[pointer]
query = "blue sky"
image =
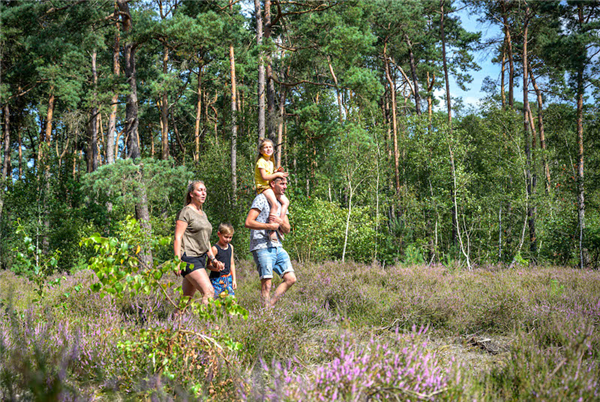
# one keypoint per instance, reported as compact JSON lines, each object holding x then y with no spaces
{"x":482,"y":58}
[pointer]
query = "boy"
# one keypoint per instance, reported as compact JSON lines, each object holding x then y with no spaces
{"x":224,"y":281}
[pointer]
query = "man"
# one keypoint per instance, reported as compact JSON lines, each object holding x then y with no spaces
{"x":269,"y":254}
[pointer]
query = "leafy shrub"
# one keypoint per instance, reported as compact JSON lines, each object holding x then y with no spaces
{"x":318,"y":232}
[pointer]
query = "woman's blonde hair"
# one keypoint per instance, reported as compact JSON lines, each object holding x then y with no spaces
{"x":191,"y":187}
{"x":262,"y":144}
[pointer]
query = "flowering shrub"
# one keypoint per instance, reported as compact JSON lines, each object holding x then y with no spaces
{"x":402,"y":369}
{"x":74,"y":344}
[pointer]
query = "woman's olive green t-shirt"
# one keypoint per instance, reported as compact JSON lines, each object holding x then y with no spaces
{"x":196,"y":238}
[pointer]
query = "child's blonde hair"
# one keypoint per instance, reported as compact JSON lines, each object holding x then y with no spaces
{"x":226,"y":229}
{"x":261,"y":146}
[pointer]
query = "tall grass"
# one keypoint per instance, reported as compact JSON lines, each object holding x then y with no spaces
{"x":343,"y":332}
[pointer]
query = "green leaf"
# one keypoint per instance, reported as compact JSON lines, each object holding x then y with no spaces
{"x":96,"y":237}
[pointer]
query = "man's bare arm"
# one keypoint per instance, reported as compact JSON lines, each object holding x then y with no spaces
{"x":252,"y":223}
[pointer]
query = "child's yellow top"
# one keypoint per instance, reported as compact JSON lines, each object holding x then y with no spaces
{"x":269,"y":166}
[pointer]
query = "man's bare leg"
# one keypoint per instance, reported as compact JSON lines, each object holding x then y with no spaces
{"x":265,"y":292}
{"x":289,"y":279}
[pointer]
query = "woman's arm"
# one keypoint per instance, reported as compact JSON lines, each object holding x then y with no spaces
{"x":180,"y":227}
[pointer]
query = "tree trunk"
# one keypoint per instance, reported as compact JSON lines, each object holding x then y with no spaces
{"x":541,"y":132}
{"x":583,"y":253}
{"x":445,"y":65}
{"x":164,"y":111}
{"x":261,"y":71}
{"x":93,"y":147}
{"x":6,"y":147}
{"x":47,"y":124}
{"x":337,"y":89}
{"x":131,"y":109}
{"x":455,"y":229}
{"x":347,"y":221}
{"x":198,"y":116}
{"x":234,"y":126}
{"x":430,"y":84}
{"x":271,"y":114}
{"x":511,"y":64}
{"x":394,"y":119}
{"x":6,"y":161}
{"x":455,"y":206}
{"x":280,"y":141}
{"x":531,"y":210}
{"x":131,"y":129}
{"x":46,"y":164}
{"x":413,"y":72}
{"x":112,"y":120}
{"x":502,"y":73}
{"x":142,"y":215}
{"x":20,"y":141}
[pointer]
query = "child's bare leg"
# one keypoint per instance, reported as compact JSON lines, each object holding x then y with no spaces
{"x":272,"y":200}
{"x":285,"y":203}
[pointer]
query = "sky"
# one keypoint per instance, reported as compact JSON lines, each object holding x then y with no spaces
{"x":482,"y":58}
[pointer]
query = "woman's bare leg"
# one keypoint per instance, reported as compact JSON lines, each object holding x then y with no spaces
{"x":198,"y":280}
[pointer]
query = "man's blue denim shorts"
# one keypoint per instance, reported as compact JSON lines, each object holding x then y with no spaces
{"x":272,"y":259}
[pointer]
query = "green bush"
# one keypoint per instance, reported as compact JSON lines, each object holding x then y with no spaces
{"x":319,"y":231}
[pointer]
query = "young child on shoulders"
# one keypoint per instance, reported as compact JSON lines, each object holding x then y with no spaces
{"x":224,"y":282}
{"x":264,"y":172}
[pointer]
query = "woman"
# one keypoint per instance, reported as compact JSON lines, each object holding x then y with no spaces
{"x":192,"y":244}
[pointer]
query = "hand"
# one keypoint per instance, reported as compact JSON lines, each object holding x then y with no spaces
{"x":177,"y":270}
{"x":234,"y":284}
{"x":219,"y":266}
{"x":275,"y":219}
{"x":272,"y":226}
{"x":279,"y":169}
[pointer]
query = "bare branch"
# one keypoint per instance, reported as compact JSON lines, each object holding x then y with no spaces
{"x":54,"y":9}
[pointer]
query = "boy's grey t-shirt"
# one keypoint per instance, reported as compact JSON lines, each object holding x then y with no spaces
{"x":260,"y":239}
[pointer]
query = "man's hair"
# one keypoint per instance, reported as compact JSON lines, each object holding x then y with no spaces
{"x":277,"y":179}
{"x":226,"y":229}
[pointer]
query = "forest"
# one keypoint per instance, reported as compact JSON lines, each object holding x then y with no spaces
{"x":109,"y":108}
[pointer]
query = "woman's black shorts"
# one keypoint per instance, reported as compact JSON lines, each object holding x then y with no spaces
{"x":198,"y":262}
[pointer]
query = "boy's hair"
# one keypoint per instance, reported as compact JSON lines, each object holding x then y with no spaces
{"x":226,"y":229}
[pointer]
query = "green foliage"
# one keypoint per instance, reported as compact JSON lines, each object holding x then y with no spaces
{"x":34,"y":264}
{"x":318,"y":229}
{"x":158,"y":350}
{"x":164,"y":183}
{"x":413,"y":255}
{"x":117,"y":265}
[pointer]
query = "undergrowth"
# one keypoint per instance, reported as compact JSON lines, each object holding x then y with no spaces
{"x":343,"y":332}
